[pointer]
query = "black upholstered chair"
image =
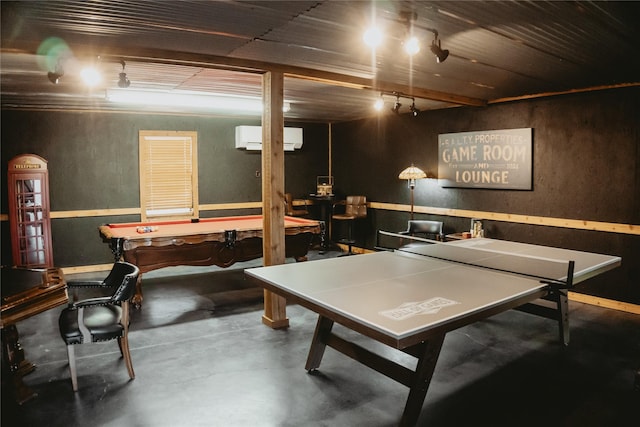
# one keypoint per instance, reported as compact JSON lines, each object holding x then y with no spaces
{"x":100,"y":318}
{"x":422,"y":229}
{"x":355,"y":207}
{"x":425,"y":229}
{"x":291,"y":210}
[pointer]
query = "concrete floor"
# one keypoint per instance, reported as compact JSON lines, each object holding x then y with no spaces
{"x":203,"y":358}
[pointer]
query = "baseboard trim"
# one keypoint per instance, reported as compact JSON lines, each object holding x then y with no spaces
{"x":604,"y":302}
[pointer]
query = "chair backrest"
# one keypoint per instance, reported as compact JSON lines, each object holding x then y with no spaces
{"x":288,"y":203}
{"x":418,"y":226}
{"x":356,"y":206}
{"x":123,"y":276}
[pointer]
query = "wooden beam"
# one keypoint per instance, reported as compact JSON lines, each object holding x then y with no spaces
{"x":563,"y":92}
{"x":162,"y":56}
{"x":273,"y":249}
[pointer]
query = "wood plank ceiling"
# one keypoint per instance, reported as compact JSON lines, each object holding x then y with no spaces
{"x":499,"y":50}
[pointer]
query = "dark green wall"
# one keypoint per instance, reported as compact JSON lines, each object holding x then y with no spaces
{"x":93,"y":165}
{"x":586,"y":166}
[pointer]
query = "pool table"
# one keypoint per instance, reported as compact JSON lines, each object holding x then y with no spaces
{"x":208,"y":241}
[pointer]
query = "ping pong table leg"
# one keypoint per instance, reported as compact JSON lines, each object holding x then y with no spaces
{"x":423,"y":374}
{"x":562,"y":302}
{"x":319,"y":343}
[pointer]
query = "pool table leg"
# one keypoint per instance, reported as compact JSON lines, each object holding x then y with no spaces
{"x":136,"y":300}
{"x":15,"y":366}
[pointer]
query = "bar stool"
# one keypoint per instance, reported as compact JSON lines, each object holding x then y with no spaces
{"x":355,"y":208}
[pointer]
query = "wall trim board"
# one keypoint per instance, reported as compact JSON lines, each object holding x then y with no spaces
{"x":79,"y":269}
{"x":136,"y":211}
{"x":580,"y":224}
{"x":228,"y":206}
{"x":604,"y":302}
{"x":94,"y":212}
{"x":516,"y":218}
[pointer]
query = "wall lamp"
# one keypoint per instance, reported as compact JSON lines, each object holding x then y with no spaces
{"x":379,"y":104}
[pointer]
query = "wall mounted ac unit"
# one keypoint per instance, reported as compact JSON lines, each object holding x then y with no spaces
{"x":250,"y":138}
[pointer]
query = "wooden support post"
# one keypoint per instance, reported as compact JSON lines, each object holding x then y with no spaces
{"x":275,"y":307}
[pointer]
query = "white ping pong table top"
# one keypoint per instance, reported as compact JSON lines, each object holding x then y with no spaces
{"x":402,"y":294}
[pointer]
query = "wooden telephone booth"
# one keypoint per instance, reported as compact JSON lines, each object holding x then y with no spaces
{"x":29,"y":221}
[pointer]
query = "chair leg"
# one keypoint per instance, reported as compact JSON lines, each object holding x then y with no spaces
{"x":349,"y":240}
{"x":72,"y":366}
{"x":123,"y":342}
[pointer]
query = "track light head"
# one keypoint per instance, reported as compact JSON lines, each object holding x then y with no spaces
{"x":414,"y":110}
{"x":123,"y":81}
{"x":437,"y":50}
{"x":54,"y":77}
{"x":396,"y":106}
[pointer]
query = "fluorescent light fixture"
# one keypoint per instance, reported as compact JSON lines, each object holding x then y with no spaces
{"x":188,"y":99}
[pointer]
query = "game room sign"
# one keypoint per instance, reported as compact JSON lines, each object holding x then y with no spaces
{"x":498,"y":159}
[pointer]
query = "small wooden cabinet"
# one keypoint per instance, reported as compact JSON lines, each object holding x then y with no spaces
{"x":29,"y":220}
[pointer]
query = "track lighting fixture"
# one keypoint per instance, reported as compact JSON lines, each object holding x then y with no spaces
{"x":123,"y":81}
{"x":411,"y":43}
{"x":397,"y":105}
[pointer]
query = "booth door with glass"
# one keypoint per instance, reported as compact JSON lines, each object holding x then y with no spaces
{"x":30,"y":218}
{"x":29,"y":213}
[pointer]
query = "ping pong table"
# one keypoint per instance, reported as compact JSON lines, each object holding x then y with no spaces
{"x":410,"y":298}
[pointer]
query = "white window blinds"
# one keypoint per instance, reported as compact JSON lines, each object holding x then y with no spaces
{"x":168,"y":175}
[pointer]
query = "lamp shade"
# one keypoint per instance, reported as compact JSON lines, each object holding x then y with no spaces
{"x":412,"y":172}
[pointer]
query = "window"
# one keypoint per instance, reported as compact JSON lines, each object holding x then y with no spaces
{"x":168,"y":175}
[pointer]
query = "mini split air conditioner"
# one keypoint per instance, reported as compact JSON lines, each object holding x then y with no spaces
{"x":250,"y":138}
